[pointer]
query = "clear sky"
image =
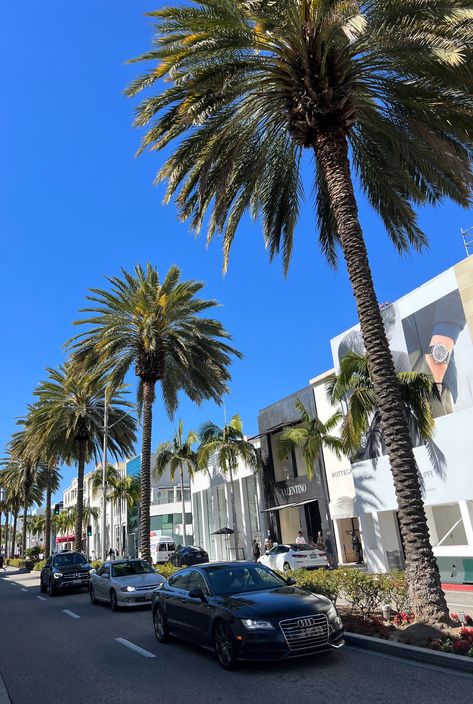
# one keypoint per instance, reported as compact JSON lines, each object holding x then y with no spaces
{"x":77,"y":205}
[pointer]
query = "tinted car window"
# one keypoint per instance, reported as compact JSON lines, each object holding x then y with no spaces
{"x":104,"y":571}
{"x":196,"y":581}
{"x":180,"y":580}
{"x":301,"y":546}
{"x":171,"y":547}
{"x":69,"y":560}
{"x":127,"y":569}
{"x":235,"y":579}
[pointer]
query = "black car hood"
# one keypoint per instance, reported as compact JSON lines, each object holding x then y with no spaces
{"x":285,"y":602}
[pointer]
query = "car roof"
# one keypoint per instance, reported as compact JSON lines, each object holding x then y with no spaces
{"x":124,"y":560}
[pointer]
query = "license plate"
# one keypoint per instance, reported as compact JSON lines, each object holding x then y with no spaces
{"x":314,"y":631}
{"x":76,"y":581}
{"x":313,"y":557}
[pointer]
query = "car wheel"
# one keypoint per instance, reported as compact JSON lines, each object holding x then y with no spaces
{"x":51,"y":590}
{"x":42,"y":587}
{"x":224,"y":645}
{"x":161,"y":630}
{"x":287,"y":567}
{"x":93,"y":600}
{"x":113,"y":600}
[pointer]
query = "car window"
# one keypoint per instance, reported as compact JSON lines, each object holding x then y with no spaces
{"x":234,"y":579}
{"x":104,"y":571}
{"x":197,"y":581}
{"x":163,"y":547}
{"x":180,"y":580}
{"x":281,"y":549}
{"x":128,"y":569}
{"x":274,"y":551}
{"x":171,"y":547}
{"x":69,"y":560}
{"x":295,"y":547}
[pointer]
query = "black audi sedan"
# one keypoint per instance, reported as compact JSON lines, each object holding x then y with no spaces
{"x":244,"y":611}
{"x":187,"y":555}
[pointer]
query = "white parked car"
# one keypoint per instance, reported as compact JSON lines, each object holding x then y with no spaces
{"x":294,"y":556}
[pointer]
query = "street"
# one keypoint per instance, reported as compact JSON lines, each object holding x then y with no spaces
{"x":65,"y":648}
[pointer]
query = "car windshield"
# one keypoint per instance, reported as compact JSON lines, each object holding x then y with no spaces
{"x":127,"y":569}
{"x":297,"y":547}
{"x":66,"y":560}
{"x":235,"y":579}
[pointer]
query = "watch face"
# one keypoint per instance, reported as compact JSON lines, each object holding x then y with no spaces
{"x":439,"y":354}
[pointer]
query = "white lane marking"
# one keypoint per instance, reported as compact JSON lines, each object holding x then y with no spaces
{"x":70,"y":613}
{"x":23,"y":590}
{"x":136,"y":648}
{"x":43,"y":598}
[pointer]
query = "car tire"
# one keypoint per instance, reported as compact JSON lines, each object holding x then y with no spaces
{"x":113,"y":600}
{"x":225,"y":646}
{"x":161,"y":630}
{"x":93,"y":600}
{"x":42,"y":587}
{"x":51,"y":590}
{"x":286,"y":567}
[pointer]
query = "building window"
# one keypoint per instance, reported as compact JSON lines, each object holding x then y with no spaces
{"x":253,"y":508}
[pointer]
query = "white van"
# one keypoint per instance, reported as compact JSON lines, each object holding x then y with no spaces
{"x":162,"y":547}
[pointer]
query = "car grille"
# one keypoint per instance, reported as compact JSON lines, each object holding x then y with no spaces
{"x":305,"y":632}
{"x":147,"y":588}
{"x":75,"y":575}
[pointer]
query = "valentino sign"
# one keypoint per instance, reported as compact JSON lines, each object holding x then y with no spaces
{"x":295,"y":490}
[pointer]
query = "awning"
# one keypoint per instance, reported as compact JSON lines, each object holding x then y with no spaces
{"x":65,"y":538}
{"x":343,"y":507}
{"x":279,"y":508}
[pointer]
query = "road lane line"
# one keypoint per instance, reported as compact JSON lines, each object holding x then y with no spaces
{"x":465,"y":606}
{"x":70,"y":613}
{"x":136,"y":648}
{"x":43,"y":598}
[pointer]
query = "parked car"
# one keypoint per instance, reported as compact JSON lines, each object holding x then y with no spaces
{"x":162,"y":549}
{"x":64,"y":570}
{"x":244,"y":612}
{"x":187,"y":555}
{"x":124,"y":583}
{"x":292,"y":556}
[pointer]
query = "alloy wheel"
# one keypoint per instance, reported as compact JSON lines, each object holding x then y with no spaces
{"x":224,"y":646}
{"x":93,"y":600}
{"x":113,"y":601}
{"x":160,"y":628}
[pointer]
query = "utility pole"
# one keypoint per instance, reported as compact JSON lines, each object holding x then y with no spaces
{"x":467,"y":237}
{"x":104,"y":478}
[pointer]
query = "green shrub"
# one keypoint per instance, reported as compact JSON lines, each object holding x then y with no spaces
{"x":39,"y":565}
{"x":397,"y":591}
{"x":34,"y":552}
{"x":96,"y":564}
{"x":364,"y":592}
{"x":166,"y":569}
{"x":16,"y":562}
{"x":324,"y":582}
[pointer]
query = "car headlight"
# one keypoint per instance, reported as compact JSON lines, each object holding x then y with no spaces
{"x":128,"y":589}
{"x":256,"y":625}
{"x":57,"y":575}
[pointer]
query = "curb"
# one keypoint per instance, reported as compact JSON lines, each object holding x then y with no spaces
{"x":460,"y":663}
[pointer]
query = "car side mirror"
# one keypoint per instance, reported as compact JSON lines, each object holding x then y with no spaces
{"x":290,"y":581}
{"x":106,"y":576}
{"x":197,"y":594}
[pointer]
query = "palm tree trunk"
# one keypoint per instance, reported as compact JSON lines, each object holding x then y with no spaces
{"x":145,"y":500}
{"x":24,"y":530}
{"x":234,"y":514}
{"x":427,"y":597}
{"x":183,"y":508}
{"x":80,"y":494}
{"x":7,"y":531}
{"x":15,"y":520}
{"x":47,"y":517}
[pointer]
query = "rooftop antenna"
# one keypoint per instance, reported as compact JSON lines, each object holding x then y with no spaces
{"x":467,"y":237}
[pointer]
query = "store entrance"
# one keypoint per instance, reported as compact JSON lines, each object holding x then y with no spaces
{"x":313,"y":521}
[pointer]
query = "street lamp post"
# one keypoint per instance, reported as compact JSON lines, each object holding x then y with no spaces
{"x":104,"y":478}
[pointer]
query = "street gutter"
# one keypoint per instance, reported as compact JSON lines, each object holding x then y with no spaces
{"x":459,"y":663}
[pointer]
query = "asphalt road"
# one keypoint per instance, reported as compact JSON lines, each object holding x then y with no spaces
{"x":47,"y":654}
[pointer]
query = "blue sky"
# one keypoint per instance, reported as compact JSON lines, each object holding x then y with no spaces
{"x":75,"y":205}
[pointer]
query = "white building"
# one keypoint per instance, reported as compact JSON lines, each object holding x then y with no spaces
{"x":212,"y":511}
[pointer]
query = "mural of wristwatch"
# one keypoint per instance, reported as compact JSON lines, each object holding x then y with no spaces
{"x":439,"y":353}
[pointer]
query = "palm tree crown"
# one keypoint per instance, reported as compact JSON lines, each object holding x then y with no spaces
{"x":253,"y":83}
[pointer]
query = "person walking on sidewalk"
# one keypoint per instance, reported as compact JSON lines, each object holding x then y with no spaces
{"x":256,"y":550}
{"x":356,"y":544}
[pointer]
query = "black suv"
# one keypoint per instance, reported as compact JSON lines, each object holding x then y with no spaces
{"x":187,"y":555}
{"x":64,"y":570}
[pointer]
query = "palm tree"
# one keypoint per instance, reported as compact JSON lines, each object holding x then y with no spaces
{"x":12,"y":480}
{"x":353,"y":387}
{"x":155,"y":326}
{"x":125,"y":490}
{"x":252,"y":85}
{"x":227,"y":446}
{"x":178,"y":454}
{"x":70,"y":413}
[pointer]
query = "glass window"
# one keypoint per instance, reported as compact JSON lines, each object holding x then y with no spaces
{"x":253,"y":507}
{"x":237,"y":579}
{"x":199,"y":537}
{"x":301,"y":546}
{"x":170,"y":496}
{"x":222,"y":506}
{"x":127,"y":569}
{"x":197,"y":581}
{"x":180,"y":580}
{"x":69,"y":559}
{"x":104,"y":571}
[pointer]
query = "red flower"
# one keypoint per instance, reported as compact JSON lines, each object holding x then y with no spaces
{"x":454,"y":617}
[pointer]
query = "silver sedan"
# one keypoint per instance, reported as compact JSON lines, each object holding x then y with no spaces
{"x":124,"y":583}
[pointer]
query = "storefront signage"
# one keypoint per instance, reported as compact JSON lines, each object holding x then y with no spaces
{"x":293,"y":491}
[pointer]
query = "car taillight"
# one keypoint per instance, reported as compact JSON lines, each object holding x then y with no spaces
{"x":322,"y":554}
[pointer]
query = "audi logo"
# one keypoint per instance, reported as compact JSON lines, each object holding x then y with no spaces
{"x":306,"y":622}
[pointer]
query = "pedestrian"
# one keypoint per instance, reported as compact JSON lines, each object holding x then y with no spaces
{"x":329,"y":553}
{"x":268,"y":544}
{"x":319,"y":541}
{"x":356,"y":544}
{"x":111,"y":554}
{"x":256,"y":550}
{"x":2,"y":559}
{"x":300,"y":540}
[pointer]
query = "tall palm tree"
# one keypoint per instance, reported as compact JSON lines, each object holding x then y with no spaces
{"x":70,"y":413}
{"x":125,"y":490}
{"x":254,"y":85}
{"x":178,"y":454}
{"x":155,"y":326}
{"x":227,"y":446}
